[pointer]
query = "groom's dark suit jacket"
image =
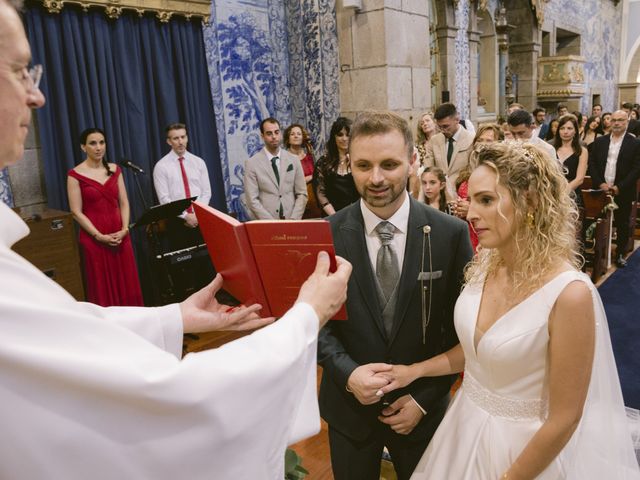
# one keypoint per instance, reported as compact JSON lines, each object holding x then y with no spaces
{"x":345,"y":345}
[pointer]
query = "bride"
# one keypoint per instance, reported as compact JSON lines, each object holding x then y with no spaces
{"x":541,"y":396}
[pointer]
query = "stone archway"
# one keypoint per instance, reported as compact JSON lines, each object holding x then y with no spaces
{"x":629,"y":86}
{"x":632,"y":67}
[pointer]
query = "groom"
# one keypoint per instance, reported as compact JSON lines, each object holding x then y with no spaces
{"x":408,"y":262}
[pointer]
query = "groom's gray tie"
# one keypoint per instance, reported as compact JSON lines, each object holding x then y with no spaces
{"x":387,"y":269}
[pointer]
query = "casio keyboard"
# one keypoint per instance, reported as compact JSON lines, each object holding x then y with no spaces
{"x":184,"y":255}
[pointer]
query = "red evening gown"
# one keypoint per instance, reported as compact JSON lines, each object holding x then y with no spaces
{"x":110,"y":272}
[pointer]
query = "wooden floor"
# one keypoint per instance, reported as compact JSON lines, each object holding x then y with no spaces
{"x":315,"y":450}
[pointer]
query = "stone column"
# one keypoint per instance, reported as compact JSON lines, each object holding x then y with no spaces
{"x":384,"y":57}
{"x":524,"y":49}
{"x":474,"y":45}
{"x":446,"y":33}
{"x":502,"y":37}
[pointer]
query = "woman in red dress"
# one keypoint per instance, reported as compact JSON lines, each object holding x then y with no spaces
{"x":98,"y":201}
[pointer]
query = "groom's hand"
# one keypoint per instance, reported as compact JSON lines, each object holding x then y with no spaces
{"x":402,"y":415}
{"x":364,"y":383}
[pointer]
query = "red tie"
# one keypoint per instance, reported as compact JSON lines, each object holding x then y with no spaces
{"x":185,"y":182}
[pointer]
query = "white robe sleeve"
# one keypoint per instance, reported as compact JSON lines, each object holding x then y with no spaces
{"x":85,"y":398}
{"x":161,"y":326}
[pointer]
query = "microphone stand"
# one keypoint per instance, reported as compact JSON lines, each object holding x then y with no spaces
{"x":152,"y":235}
{"x":139,"y":188}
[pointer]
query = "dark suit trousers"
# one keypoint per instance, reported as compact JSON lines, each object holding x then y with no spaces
{"x":353,"y":460}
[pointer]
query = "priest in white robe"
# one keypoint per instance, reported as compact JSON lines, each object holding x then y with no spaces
{"x":102,"y":393}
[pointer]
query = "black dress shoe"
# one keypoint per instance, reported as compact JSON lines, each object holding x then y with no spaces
{"x":621,"y":262}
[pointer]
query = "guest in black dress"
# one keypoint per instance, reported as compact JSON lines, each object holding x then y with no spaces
{"x":335,"y":188}
{"x":590,"y":132}
{"x":573,"y":156}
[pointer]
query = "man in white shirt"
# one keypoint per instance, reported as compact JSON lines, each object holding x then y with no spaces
{"x":522,"y":127}
{"x":178,"y":175}
{"x":274,"y":186}
{"x":102,"y":393}
{"x":614,"y":166}
{"x":170,"y":172}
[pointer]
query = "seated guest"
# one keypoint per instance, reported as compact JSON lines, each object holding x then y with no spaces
{"x":274,"y":186}
{"x":297,"y":142}
{"x":334,"y":183}
{"x":573,"y":156}
{"x":99,"y":203}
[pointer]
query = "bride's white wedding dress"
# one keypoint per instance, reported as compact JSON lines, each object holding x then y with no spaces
{"x":502,"y":401}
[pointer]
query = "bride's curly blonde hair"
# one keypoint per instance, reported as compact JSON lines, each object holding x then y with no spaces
{"x":546,"y":217}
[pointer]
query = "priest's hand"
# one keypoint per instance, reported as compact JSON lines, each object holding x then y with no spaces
{"x":365,"y":381}
{"x":324,"y":291}
{"x":201,"y":312}
{"x":402,"y":415}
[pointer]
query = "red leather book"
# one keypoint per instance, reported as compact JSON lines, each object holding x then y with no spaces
{"x":265,"y":261}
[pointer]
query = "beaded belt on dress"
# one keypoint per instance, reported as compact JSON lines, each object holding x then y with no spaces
{"x":500,"y":406}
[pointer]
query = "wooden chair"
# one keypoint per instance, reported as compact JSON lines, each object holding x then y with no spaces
{"x":596,"y":250}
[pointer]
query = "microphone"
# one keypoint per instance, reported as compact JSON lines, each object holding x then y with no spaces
{"x":129,"y":164}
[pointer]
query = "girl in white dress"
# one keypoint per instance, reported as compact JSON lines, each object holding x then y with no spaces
{"x":541,"y":396}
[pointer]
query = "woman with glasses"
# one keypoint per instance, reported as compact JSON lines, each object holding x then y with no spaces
{"x":99,"y":203}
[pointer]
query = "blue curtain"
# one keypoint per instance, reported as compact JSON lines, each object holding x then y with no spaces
{"x":131,"y":77}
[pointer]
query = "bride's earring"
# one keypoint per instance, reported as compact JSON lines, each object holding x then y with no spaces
{"x":530,"y":220}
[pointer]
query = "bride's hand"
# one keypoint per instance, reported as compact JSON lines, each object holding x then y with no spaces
{"x":399,"y":376}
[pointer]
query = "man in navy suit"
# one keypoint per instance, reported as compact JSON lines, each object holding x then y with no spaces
{"x":614,"y":166}
{"x":408,"y":261}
